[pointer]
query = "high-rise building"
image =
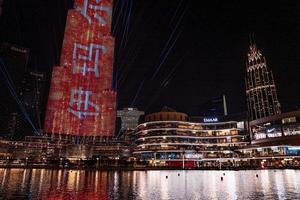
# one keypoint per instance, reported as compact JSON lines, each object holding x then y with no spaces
{"x":33,"y":96}
{"x":13,"y":63}
{"x":260,"y":86}
{"x":81,"y":101}
{"x":129,"y":121}
{"x":129,"y":118}
{"x":1,"y":2}
{"x":214,"y":107}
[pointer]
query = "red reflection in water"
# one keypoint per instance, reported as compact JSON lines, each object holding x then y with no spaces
{"x":80,"y":185}
{"x":54,"y":184}
{"x":154,"y":185}
{"x":81,"y":195}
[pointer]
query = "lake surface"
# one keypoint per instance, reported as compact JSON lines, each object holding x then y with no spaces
{"x":152,"y":185}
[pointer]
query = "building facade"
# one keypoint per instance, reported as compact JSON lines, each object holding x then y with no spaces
{"x":261,"y":92}
{"x":129,"y":118}
{"x":81,"y":101}
{"x":129,"y":121}
{"x":36,"y":151}
{"x":176,"y":142}
{"x":166,"y":114}
{"x":14,"y":72}
{"x":275,"y":141}
{"x":276,"y":128}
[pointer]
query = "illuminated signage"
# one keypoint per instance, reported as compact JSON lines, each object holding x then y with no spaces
{"x":211,"y":119}
{"x":20,"y":50}
{"x":270,"y":130}
{"x":240,"y":125}
{"x":293,"y":148}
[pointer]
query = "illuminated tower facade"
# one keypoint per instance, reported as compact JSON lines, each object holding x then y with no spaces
{"x":81,"y":101}
{"x":260,"y":86}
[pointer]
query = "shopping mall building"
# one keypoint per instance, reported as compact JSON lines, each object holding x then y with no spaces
{"x":275,"y":140}
{"x":172,"y":139}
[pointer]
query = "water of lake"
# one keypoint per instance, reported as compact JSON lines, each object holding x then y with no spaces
{"x":152,"y":185}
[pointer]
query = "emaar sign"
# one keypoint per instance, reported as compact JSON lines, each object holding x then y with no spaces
{"x":210,"y":119}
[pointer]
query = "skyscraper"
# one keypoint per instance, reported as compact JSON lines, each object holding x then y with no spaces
{"x":129,"y":118}
{"x":81,"y":101}
{"x":33,"y":95}
{"x":13,"y":63}
{"x":214,"y":107}
{"x":260,"y":86}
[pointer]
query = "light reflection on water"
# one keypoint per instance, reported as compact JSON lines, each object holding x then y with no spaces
{"x":102,"y":185}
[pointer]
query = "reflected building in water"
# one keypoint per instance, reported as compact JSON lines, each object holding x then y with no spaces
{"x":106,"y":185}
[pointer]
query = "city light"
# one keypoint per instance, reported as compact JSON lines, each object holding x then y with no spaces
{"x":173,"y":99}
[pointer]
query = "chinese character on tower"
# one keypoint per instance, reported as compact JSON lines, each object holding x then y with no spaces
{"x":81,"y":101}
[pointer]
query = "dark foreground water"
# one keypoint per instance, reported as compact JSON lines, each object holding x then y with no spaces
{"x":79,"y":184}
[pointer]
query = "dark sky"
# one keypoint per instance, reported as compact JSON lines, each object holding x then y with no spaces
{"x":208,"y":43}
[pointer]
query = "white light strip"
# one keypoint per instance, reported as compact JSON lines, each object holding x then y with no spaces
{"x":182,"y":151}
{"x":266,"y":147}
{"x":226,"y":159}
{"x":184,"y":129}
{"x":187,"y":123}
{"x":191,"y":144}
{"x":194,"y":137}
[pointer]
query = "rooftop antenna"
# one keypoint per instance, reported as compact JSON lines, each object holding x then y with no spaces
{"x":250,"y":39}
{"x":253,"y":39}
{"x":225,"y":105}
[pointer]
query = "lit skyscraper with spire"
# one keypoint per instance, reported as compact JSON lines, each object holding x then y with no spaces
{"x":261,"y":91}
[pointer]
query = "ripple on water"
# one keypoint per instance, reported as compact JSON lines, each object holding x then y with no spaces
{"x":102,"y":185}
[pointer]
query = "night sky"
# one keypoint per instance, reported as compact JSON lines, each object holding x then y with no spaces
{"x":178,"y":53}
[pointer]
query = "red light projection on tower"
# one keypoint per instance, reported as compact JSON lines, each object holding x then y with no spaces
{"x":81,"y":100}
